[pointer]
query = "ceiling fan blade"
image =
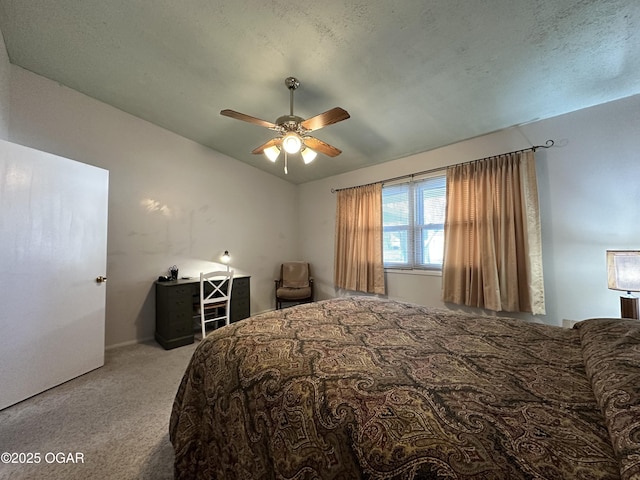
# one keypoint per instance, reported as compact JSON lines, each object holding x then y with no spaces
{"x":274,"y":141}
{"x":247,"y":118}
{"x":320,"y":146}
{"x":329,"y":117}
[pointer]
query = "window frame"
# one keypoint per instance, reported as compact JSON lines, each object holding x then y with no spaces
{"x":415,"y":229}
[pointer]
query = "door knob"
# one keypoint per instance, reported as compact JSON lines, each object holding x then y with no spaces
{"x":101,"y":279}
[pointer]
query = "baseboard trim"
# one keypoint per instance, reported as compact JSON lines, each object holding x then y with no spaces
{"x":129,"y":342}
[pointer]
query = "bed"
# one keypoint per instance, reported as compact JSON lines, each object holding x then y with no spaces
{"x":363,"y":388}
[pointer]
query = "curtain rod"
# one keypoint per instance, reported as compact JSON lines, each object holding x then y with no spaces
{"x":548,"y":144}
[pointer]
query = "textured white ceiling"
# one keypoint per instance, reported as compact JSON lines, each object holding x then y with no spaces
{"x":414,"y":75}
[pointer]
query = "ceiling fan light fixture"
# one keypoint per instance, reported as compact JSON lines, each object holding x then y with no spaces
{"x":272,"y":153}
{"x":291,"y":130}
{"x":308,"y":155}
{"x":292,"y":142}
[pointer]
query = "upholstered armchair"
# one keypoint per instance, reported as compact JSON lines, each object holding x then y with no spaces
{"x":295,"y":284}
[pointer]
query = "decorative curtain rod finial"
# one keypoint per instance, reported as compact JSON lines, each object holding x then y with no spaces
{"x":547,"y":144}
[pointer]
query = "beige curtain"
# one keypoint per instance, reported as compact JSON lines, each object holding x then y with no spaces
{"x":358,"y":248}
{"x":493,"y":253}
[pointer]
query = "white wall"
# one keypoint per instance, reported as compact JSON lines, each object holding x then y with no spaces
{"x":171,"y":201}
{"x":589,"y":189}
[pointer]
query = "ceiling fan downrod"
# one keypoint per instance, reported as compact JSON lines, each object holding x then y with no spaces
{"x":291,"y":122}
{"x":292,"y":83}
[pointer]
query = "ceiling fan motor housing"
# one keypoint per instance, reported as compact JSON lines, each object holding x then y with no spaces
{"x":290,"y":123}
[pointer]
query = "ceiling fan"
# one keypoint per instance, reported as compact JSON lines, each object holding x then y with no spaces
{"x":293,"y":131}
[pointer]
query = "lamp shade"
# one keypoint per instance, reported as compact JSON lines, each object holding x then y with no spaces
{"x":623,"y":270}
{"x":272,"y":153}
{"x":308,"y":155}
{"x":291,"y":142}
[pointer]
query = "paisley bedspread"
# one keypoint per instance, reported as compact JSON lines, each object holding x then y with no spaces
{"x":362,"y":388}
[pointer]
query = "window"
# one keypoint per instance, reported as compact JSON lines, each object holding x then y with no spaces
{"x":413,"y":220}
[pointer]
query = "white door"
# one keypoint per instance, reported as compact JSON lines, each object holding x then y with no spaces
{"x":53,"y":243}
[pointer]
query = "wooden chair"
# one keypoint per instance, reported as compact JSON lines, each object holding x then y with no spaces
{"x":215,"y":298}
{"x":295,"y":283}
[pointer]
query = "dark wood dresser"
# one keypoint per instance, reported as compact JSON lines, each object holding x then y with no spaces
{"x":176,"y":309}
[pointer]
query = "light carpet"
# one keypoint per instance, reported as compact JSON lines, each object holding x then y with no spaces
{"x":111,"y":423}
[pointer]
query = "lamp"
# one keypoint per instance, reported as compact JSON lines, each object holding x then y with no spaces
{"x":272,"y":153}
{"x":308,"y":155}
{"x":291,"y":142}
{"x":225,"y":258}
{"x":623,"y":270}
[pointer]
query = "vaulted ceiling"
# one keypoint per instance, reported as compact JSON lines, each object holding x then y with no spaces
{"x":414,"y":75}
